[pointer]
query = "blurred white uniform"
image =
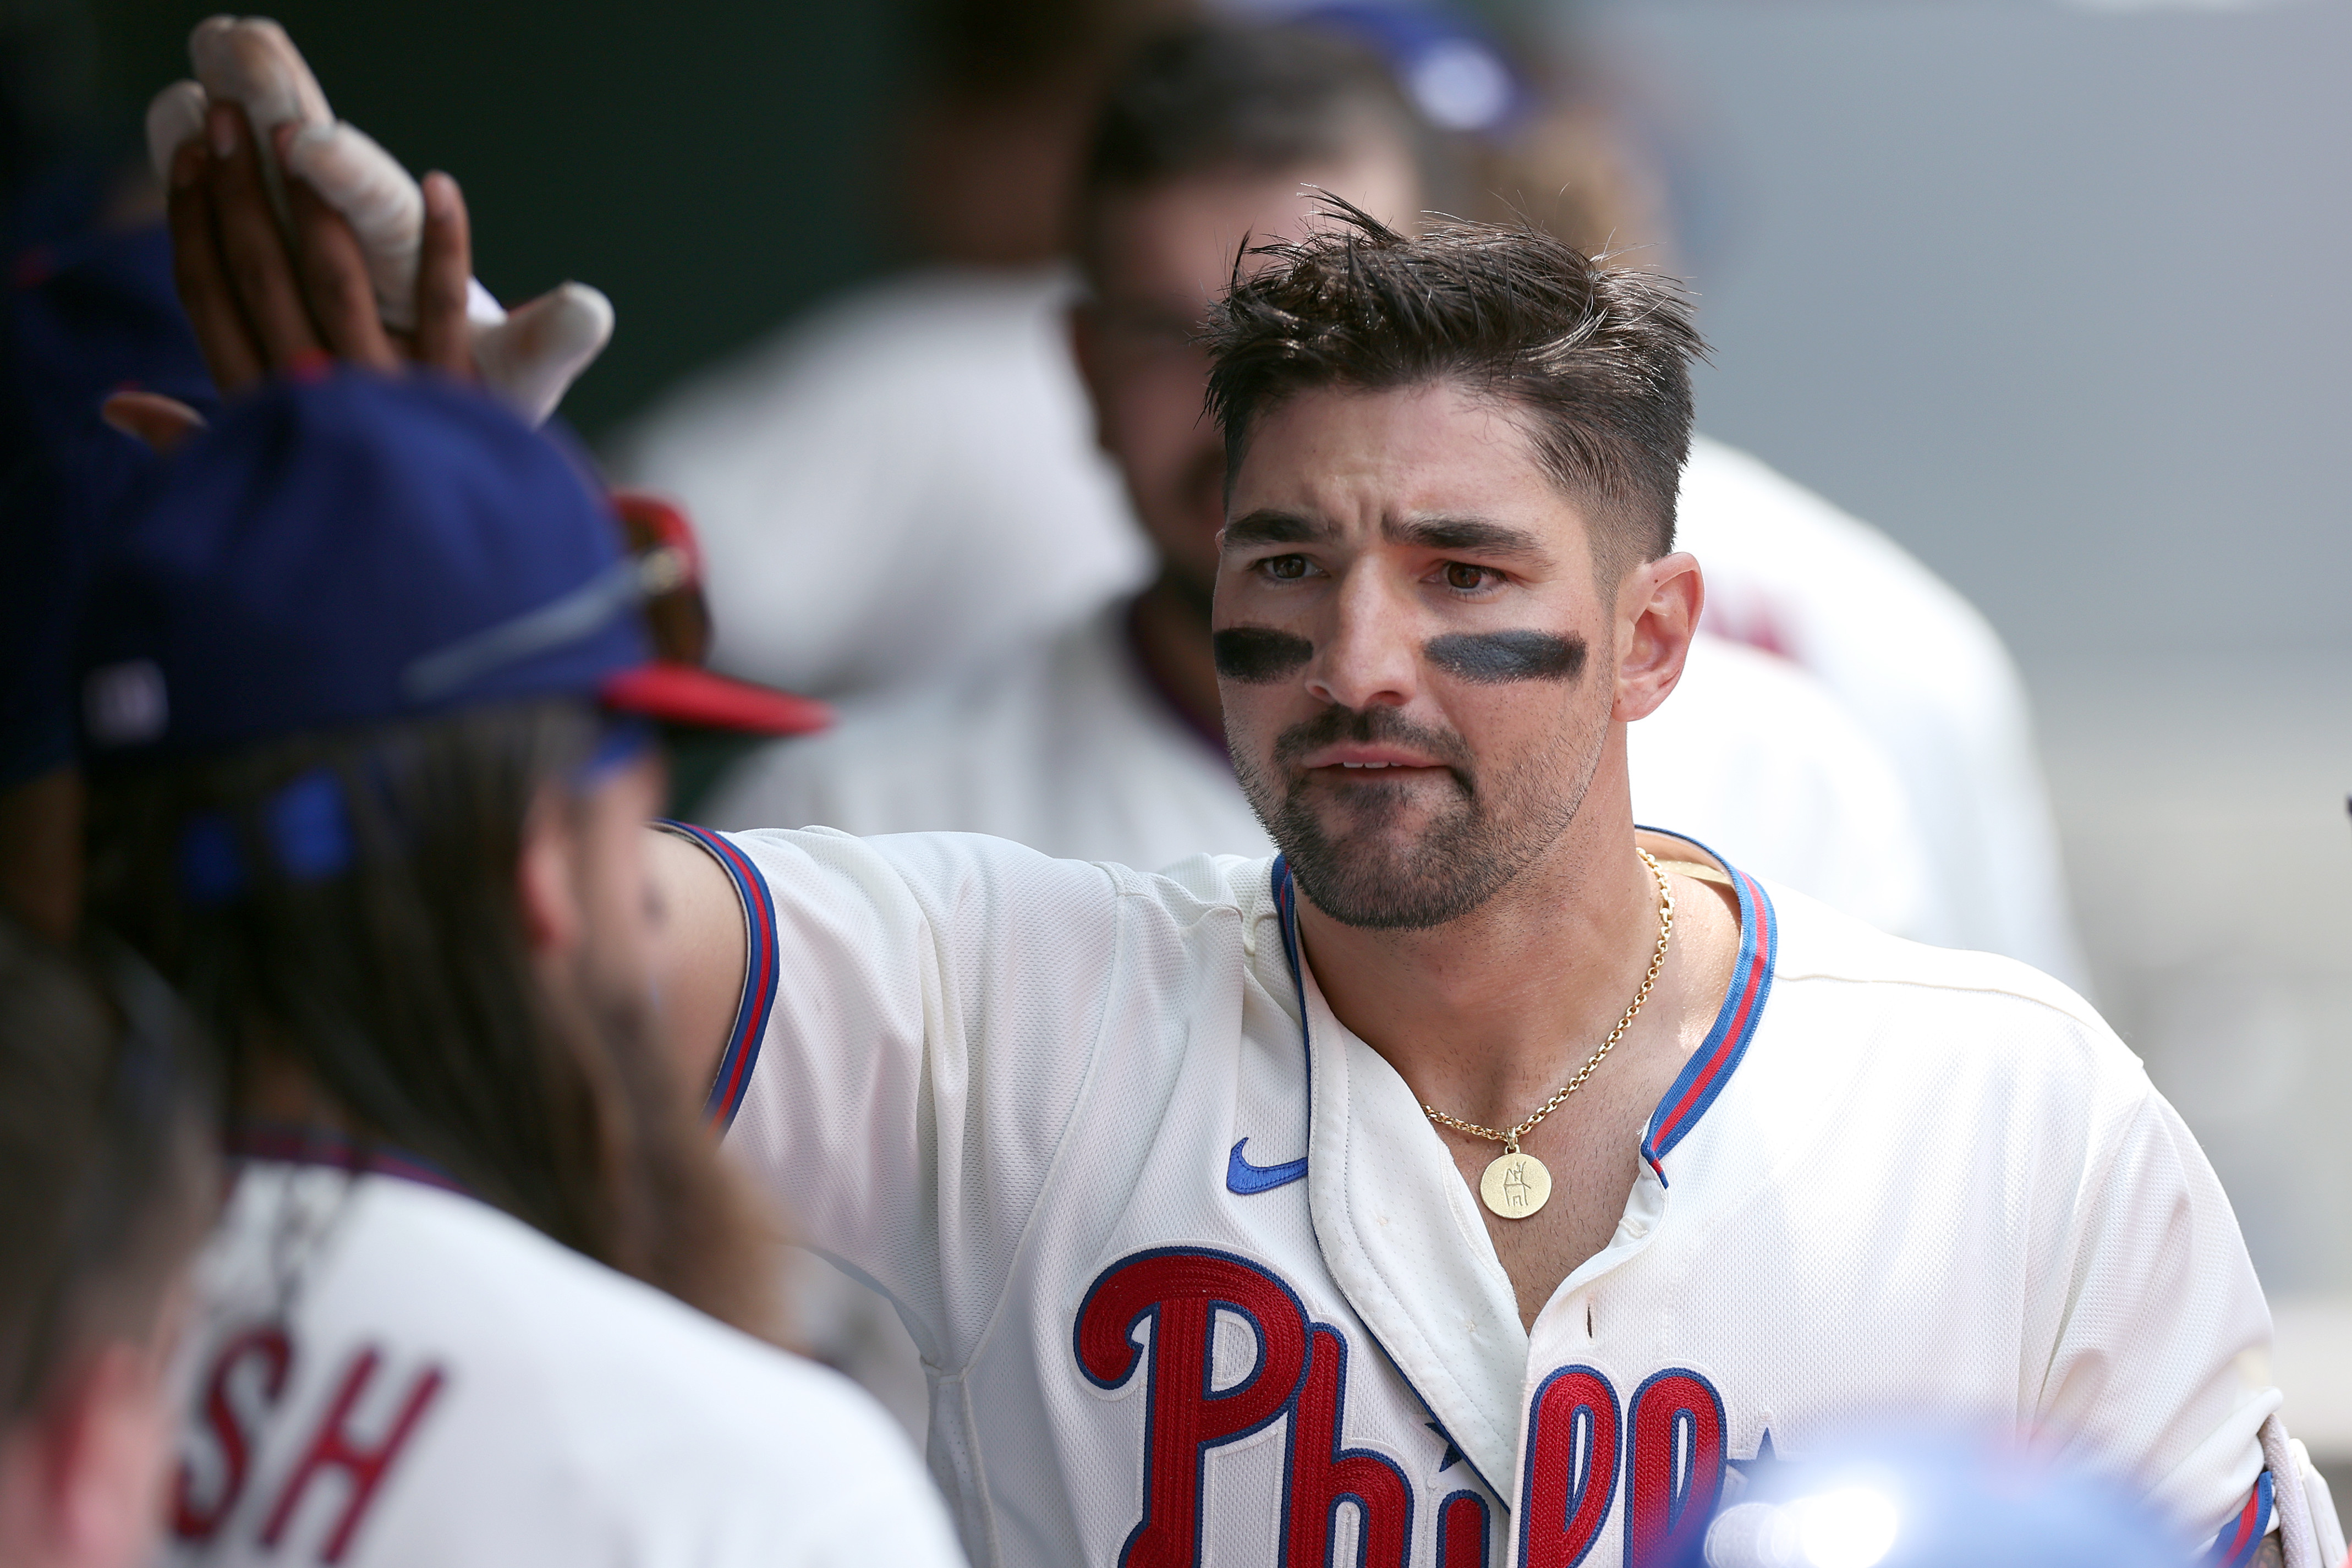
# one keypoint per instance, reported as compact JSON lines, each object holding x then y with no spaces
{"x":1070,"y":748}
{"x":907,"y":485}
{"x":390,"y":1373}
{"x":1921,"y":670}
{"x":895,"y":485}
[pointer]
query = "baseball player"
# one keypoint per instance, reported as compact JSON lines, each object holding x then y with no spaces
{"x":1105,"y":741}
{"x":1479,"y":1181}
{"x":1462,"y":1187}
{"x":364,"y":683}
{"x":108,"y":1179}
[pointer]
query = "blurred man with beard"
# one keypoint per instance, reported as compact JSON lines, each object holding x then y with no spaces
{"x":931,"y":411}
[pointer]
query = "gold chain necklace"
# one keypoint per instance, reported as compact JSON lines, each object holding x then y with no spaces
{"x":1516,"y":1185}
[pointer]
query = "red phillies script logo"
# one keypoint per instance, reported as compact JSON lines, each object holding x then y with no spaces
{"x":1301,"y":1371}
{"x":241,"y":1393}
{"x":1673,"y":1438}
{"x":1666,"y":1448}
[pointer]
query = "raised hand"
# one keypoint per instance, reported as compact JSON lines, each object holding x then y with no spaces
{"x":529,"y":357}
{"x":268,"y":296}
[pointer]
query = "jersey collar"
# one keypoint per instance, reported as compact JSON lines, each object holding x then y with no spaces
{"x":293,"y":1144}
{"x":1404,"y":1241}
{"x":1719,"y":1055}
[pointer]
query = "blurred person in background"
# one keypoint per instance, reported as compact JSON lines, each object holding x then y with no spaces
{"x":1561,"y":138}
{"x":366,"y":689}
{"x":931,"y":420}
{"x":107,"y":1181}
{"x":1106,"y":741}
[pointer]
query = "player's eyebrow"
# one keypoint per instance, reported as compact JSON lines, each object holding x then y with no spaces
{"x":1483,"y":535}
{"x":1266,"y":526}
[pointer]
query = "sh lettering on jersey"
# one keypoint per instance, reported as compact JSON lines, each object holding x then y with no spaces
{"x":320,"y":1495}
{"x":1659,"y":1451}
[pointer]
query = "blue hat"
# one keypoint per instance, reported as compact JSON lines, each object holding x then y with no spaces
{"x":345,"y":548}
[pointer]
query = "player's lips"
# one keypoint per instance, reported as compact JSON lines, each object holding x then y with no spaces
{"x":1357,"y":758}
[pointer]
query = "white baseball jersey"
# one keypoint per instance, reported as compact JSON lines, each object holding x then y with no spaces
{"x":1072,"y":749}
{"x":1196,"y":1281}
{"x":390,"y":1373}
{"x":1918,"y":667}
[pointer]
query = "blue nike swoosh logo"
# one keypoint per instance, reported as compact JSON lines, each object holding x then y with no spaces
{"x":1245,"y":1178}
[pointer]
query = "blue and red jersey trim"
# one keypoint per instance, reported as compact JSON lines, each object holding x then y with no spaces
{"x":2241,"y":1538}
{"x":1718,"y":1056}
{"x":761,"y":970}
{"x":289,"y":1143}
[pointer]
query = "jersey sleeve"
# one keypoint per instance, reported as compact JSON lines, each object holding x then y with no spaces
{"x":2161,"y":1364}
{"x":928,"y":1009}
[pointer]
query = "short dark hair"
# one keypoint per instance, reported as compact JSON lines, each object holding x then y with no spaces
{"x":400,"y":980}
{"x":1217,"y":97}
{"x":1600,"y":359}
{"x":108,"y":1175}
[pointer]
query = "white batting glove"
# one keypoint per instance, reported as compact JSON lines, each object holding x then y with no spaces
{"x":529,"y":357}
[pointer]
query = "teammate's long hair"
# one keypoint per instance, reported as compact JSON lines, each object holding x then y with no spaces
{"x":403,"y":985}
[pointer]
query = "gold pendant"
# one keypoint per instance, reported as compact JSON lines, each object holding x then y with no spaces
{"x":1516,"y":1185}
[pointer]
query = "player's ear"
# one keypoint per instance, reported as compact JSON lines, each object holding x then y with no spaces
{"x":1658,"y":604}
{"x":547,"y":884}
{"x":81,"y":1475}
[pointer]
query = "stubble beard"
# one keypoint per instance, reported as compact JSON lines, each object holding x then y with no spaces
{"x":1363,"y":873}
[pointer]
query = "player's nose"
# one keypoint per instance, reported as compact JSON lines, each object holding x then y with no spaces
{"x":1368,"y":655}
